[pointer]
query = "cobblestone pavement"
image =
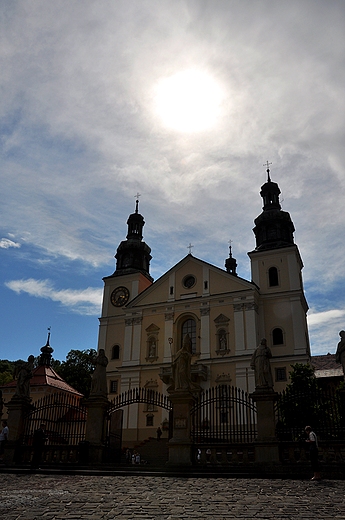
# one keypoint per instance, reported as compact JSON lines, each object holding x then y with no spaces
{"x":29,"y":497}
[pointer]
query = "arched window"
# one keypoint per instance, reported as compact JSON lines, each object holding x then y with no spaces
{"x":115,"y":352}
{"x":189,"y":327}
{"x":273,"y":277}
{"x":277,"y":336}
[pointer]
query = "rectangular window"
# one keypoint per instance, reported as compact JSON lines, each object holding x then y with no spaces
{"x":149,"y":420}
{"x":113,"y":386}
{"x":281,"y":374}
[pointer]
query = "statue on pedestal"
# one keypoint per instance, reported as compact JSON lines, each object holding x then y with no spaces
{"x":181,"y":368}
{"x":261,"y":365}
{"x":23,"y":374}
{"x":340,"y":354}
{"x":99,"y":376}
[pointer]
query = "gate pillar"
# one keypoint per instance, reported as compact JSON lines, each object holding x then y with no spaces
{"x":266,"y":446}
{"x":180,"y":445}
{"x":17,"y":408}
{"x":97,"y":407}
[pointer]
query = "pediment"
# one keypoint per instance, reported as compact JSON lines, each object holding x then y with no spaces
{"x":191,"y":278}
{"x":221,"y":319}
{"x":152,"y":328}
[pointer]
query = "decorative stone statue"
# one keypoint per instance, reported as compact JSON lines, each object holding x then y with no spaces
{"x":23,"y":374}
{"x":181,"y":366}
{"x":340,"y":354}
{"x":222,"y":342}
{"x":99,"y":376}
{"x":260,"y":363}
{"x":152,"y":349}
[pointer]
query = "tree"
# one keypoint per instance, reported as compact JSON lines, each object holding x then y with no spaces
{"x":302,"y":378}
{"x":305,"y":403}
{"x":6,"y":371}
{"x":77,"y":369}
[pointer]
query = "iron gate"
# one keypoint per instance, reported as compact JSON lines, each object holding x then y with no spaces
{"x":64,"y":417}
{"x":223,"y":415}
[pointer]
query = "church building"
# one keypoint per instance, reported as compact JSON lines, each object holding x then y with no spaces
{"x":143,"y":322}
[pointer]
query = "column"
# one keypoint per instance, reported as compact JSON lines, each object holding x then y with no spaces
{"x":205,"y":333}
{"x":180,"y":445}
{"x":239,"y":327}
{"x":136,"y":340}
{"x":127,"y":347}
{"x":168,"y":336}
{"x":17,"y":408}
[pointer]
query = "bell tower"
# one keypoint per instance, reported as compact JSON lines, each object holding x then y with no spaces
{"x":273,"y":228}
{"x":130,"y":278}
{"x":133,"y":255}
{"x":276,"y":267}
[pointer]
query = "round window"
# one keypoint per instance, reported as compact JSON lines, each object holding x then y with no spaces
{"x":189,"y":281}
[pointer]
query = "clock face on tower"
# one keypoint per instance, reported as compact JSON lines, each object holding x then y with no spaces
{"x":119,"y":296}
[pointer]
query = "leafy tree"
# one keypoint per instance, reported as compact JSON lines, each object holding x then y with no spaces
{"x":77,"y":369}
{"x":6,"y":371}
{"x":305,"y":403}
{"x":302,"y":378}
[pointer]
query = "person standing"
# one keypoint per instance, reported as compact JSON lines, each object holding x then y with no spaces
{"x":159,"y":433}
{"x":39,"y":440}
{"x":3,"y":439}
{"x":313,"y":452}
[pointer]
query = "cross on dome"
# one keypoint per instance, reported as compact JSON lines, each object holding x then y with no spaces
{"x":137,"y":201}
{"x":268,"y":170}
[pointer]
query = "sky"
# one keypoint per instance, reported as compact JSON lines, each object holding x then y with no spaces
{"x":182,"y":102}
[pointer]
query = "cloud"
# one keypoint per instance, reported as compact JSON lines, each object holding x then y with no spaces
{"x":80,"y":136}
{"x":86,"y":301}
{"x":324,"y":328}
{"x":5,"y":243}
{"x":316,"y":319}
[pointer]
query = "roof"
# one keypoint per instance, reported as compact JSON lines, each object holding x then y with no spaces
{"x":326,"y":366}
{"x":46,"y":376}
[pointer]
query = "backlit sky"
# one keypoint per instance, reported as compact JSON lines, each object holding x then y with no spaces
{"x":183,"y":102}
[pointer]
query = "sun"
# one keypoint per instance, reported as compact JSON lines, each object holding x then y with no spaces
{"x":189,"y":101}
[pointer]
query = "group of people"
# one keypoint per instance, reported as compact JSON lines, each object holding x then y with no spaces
{"x":132,"y":457}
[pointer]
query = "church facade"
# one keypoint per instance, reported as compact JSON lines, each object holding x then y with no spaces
{"x":143,"y":322}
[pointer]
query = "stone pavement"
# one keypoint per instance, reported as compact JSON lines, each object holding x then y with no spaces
{"x":46,"y":497}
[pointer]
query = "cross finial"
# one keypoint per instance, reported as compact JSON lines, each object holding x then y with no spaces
{"x":190,"y":247}
{"x":230,"y":249}
{"x":137,"y":201}
{"x":268,"y":170}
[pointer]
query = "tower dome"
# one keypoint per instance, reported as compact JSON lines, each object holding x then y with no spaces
{"x":133,"y":254}
{"x":273,"y":227}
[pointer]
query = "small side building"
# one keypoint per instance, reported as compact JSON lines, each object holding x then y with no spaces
{"x":328,"y":372}
{"x":44,"y":381}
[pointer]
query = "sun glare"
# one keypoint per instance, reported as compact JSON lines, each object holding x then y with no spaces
{"x":189,"y":101}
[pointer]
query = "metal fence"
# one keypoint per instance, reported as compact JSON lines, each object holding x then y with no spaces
{"x":64,"y":417}
{"x":139,"y":395}
{"x":322,"y":409}
{"x":223,"y":414}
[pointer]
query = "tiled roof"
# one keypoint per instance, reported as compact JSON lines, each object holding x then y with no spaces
{"x":46,"y":376}
{"x":326,"y":366}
